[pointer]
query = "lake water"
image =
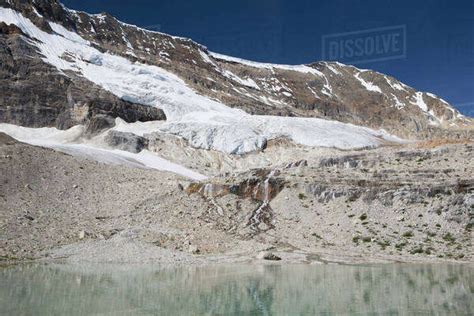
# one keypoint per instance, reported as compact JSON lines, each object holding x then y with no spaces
{"x":237,"y":290}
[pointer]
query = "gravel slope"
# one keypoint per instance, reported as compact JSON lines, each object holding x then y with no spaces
{"x":58,"y":207}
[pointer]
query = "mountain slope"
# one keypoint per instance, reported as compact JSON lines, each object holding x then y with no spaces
{"x":240,"y":132}
{"x":197,"y":89}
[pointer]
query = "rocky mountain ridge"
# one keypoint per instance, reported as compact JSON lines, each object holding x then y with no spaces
{"x":326,"y":90}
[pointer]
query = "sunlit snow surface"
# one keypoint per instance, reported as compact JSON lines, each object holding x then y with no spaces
{"x":203,"y":122}
{"x":69,"y":141}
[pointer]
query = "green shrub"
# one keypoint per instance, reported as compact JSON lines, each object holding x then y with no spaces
{"x":417,"y":250}
{"x":383,"y":244}
{"x":469,"y":227}
{"x":400,"y":245}
{"x":448,"y":237}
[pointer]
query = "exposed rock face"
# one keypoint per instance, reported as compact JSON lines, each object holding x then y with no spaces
{"x":261,"y":185}
{"x":414,"y":201}
{"x":389,"y":186}
{"x":326,"y":90}
{"x":35,"y":94}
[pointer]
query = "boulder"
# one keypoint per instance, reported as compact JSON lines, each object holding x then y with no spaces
{"x":266,"y":255}
{"x":126,"y":141}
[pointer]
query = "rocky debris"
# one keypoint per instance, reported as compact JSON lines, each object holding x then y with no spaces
{"x":193,"y":249}
{"x":126,"y":141}
{"x":394,"y":209}
{"x":296,"y":164}
{"x":6,"y":140}
{"x":341,"y":162}
{"x":259,"y":186}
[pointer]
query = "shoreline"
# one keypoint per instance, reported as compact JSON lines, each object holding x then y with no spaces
{"x":183,"y":259}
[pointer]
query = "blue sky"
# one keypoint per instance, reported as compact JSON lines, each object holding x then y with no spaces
{"x":439,"y":34}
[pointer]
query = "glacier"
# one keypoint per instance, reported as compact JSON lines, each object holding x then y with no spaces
{"x":201,"y":121}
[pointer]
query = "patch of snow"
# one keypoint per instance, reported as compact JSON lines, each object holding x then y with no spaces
{"x":164,"y":55}
{"x":70,"y":142}
{"x":399,"y":105}
{"x":146,"y":31}
{"x":456,"y":113}
{"x":434,"y":120}
{"x":61,"y":30}
{"x":248,"y":82}
{"x":298,"y":68}
{"x":333,"y":69}
{"x":245,"y":82}
{"x":270,"y":101}
{"x":207,"y":59}
{"x":437,"y":98}
{"x":420,"y":102}
{"x":126,"y":41}
{"x":314,"y":92}
{"x":395,"y":85}
{"x":77,"y":16}
{"x":368,"y":85}
{"x":327,"y":89}
{"x":101,"y":17}
{"x":36,"y":12}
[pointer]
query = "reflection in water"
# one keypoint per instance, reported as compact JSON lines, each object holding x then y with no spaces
{"x":249,"y":290}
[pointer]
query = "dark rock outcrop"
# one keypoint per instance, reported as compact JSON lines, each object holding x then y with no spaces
{"x":126,"y":141}
{"x":35,"y":94}
{"x":260,"y":185}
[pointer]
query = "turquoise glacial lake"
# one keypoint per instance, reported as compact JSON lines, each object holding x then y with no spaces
{"x":390,"y":289}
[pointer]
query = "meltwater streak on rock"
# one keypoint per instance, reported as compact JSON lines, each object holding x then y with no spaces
{"x":263,"y":214}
